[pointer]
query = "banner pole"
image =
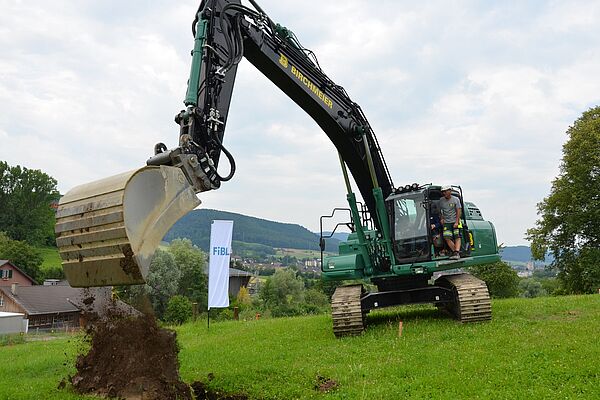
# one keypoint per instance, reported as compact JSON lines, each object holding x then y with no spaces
{"x":208,"y":320}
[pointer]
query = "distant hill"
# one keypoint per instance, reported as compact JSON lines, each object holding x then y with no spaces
{"x":260,"y":236}
{"x":341,"y":236}
{"x":247,"y":230}
{"x":516,"y":253}
{"x":520,"y":254}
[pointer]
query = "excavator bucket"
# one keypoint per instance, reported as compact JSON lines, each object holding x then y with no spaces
{"x":107,"y":230}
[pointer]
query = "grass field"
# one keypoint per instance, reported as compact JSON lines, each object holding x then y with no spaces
{"x":298,"y":253}
{"x":544,"y":348}
{"x":50,"y":256}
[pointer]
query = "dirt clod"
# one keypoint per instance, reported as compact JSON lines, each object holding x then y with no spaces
{"x":88,"y":300}
{"x":325,"y":385}
{"x":130,"y":357}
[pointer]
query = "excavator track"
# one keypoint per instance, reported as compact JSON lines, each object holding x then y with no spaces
{"x":346,"y":311}
{"x":472,"y":299}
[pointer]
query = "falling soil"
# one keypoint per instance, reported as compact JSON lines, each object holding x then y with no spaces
{"x":130,"y":357}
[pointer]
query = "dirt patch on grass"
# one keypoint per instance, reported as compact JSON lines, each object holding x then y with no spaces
{"x":201,"y":392}
{"x":567,"y":316}
{"x":130,"y":357}
{"x":325,"y":385}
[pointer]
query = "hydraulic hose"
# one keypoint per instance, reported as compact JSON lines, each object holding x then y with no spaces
{"x":231,"y":161}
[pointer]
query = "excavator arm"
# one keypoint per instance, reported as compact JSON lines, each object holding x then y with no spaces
{"x":225,"y":32}
{"x":107,"y":230}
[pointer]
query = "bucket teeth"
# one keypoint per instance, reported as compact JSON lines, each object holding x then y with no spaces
{"x":107,"y":231}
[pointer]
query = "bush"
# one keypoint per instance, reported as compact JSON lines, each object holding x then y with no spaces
{"x":243,"y":297}
{"x":531,"y":288}
{"x":315,"y":301}
{"x":52,"y":272}
{"x":221,"y":314}
{"x":551,"y":286}
{"x":283,"y":293}
{"x":179,"y":310}
{"x":9,"y":340}
{"x":501,"y":279}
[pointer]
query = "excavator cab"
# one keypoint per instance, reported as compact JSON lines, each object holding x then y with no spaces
{"x":412,"y":235}
{"x":410,"y":228}
{"x":107,"y":230}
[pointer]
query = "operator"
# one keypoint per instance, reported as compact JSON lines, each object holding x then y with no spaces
{"x":450,"y":212}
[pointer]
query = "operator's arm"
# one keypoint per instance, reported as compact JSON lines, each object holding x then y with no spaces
{"x":458,"y":214}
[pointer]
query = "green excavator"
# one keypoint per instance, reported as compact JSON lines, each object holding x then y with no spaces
{"x":108,"y":230}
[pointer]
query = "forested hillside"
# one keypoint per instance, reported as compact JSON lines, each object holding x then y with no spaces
{"x":196,"y":226}
{"x":261,"y":236}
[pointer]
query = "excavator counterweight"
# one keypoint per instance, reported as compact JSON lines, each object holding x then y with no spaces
{"x":107,"y":230}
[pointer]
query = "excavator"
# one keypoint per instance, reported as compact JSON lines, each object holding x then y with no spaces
{"x":108,"y":230}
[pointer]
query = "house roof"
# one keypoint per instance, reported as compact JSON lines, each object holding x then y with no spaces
{"x":238,"y":272}
{"x":232,"y":272}
{"x":54,"y":299}
{"x":4,"y":262}
{"x":44,"y":299}
{"x":10,"y":314}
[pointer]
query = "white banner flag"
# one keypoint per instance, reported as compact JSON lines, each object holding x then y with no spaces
{"x":218,"y":266}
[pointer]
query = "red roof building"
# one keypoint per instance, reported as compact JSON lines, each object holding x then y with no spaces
{"x":10,"y":273}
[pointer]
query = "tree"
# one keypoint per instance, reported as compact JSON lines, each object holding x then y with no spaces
{"x":162,"y":283}
{"x":26,"y":196}
{"x":283,"y":293}
{"x":569,"y":223}
{"x":531,"y":288}
{"x":501,"y":279}
{"x":21,"y":254}
{"x":191,"y":261}
{"x":179,"y":310}
{"x":52,"y":272}
{"x":315,"y":301}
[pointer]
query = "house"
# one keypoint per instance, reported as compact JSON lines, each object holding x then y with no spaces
{"x":237,"y":280}
{"x":46,"y":307}
{"x":59,"y":306}
{"x":10,"y":273}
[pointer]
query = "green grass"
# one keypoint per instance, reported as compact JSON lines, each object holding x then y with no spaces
{"x":534,"y":348}
{"x":34,"y":369}
{"x":50,"y":256}
{"x":11,"y":339}
{"x":298,"y":253}
{"x":539,"y":348}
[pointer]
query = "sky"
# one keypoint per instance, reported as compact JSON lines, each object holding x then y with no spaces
{"x":478,"y":94}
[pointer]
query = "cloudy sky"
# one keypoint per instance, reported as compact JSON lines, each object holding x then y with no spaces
{"x":472,"y":93}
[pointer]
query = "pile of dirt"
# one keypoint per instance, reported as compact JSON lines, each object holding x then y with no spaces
{"x":130,"y":357}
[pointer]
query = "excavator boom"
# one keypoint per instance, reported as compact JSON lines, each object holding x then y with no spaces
{"x":108,"y":230}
